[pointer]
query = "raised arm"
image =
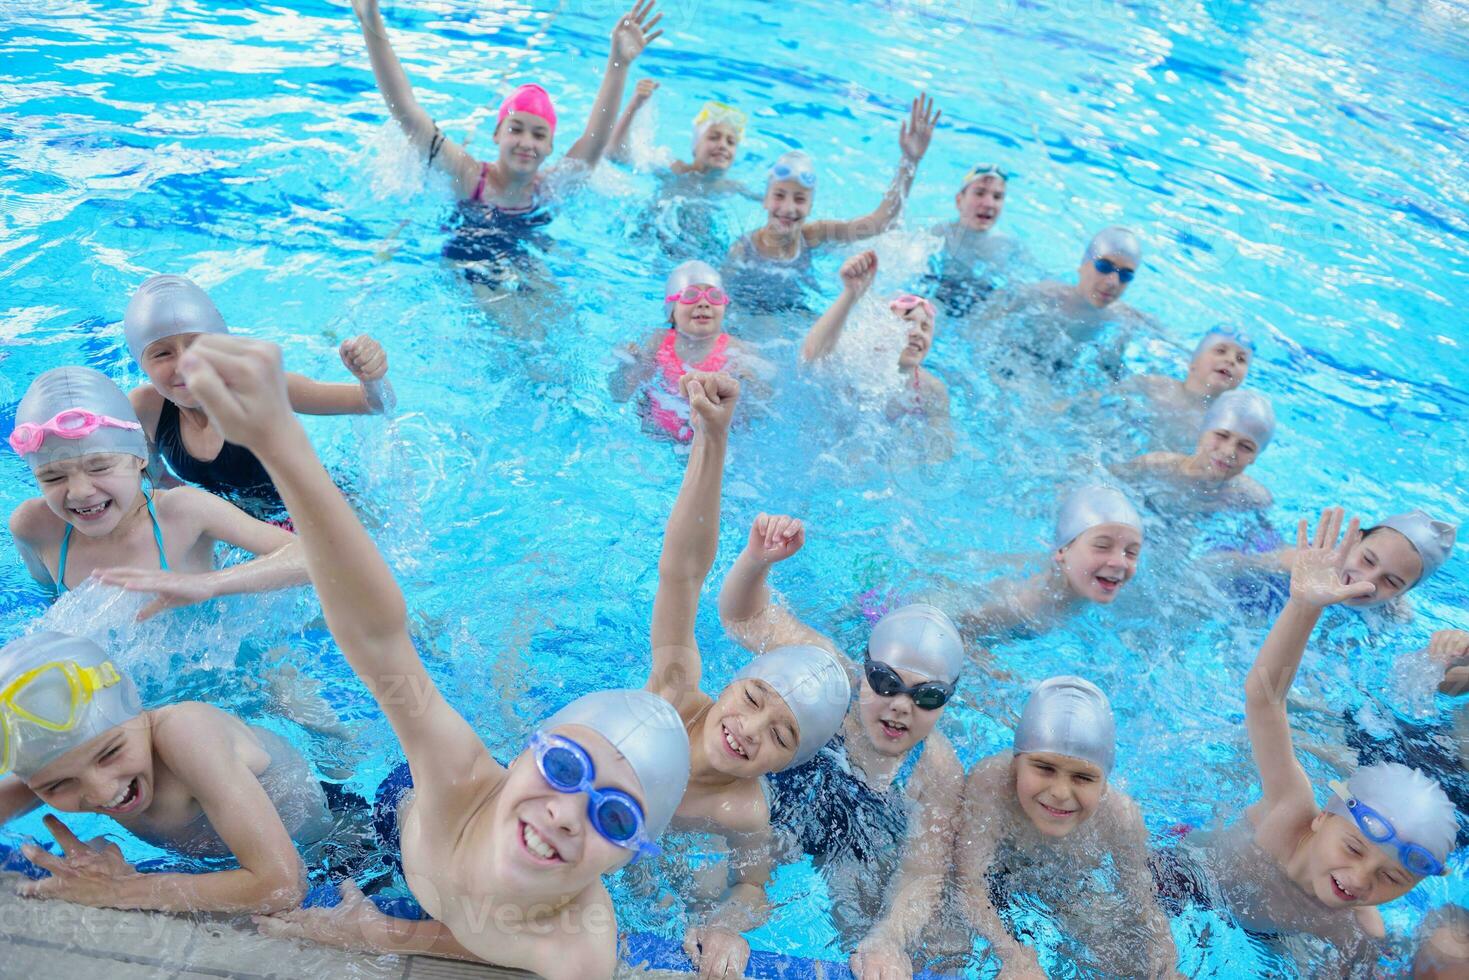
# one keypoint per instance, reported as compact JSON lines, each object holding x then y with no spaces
{"x":913,"y":138}
{"x":857,"y":274}
{"x":632,"y":34}
{"x":640,"y":95}
{"x":691,"y":538}
{"x":243,"y":389}
{"x":443,"y":154}
{"x":372,"y":395}
{"x":1315,"y":582}
{"x":745,"y":609}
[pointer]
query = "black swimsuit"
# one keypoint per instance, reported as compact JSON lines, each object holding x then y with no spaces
{"x":235,"y":472}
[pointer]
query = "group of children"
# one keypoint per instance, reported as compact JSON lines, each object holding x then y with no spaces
{"x":809,"y":749}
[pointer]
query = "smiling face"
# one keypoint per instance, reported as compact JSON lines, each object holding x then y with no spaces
{"x":894,"y":725}
{"x":1388,"y":560}
{"x":1219,"y":367}
{"x":701,"y":319}
{"x":750,"y":731}
{"x":919,"y":336}
{"x":1345,"y":870}
{"x":92,"y":493}
{"x":545,"y":843}
{"x":788,"y":203}
{"x":524,"y":141}
{"x":111,"y":774}
{"x":161,"y":364}
{"x":980,"y":203}
{"x":1058,"y":793}
{"x":1100,"y":561}
{"x":1102,"y":290}
{"x":1223,"y":454}
{"x":715,"y":150}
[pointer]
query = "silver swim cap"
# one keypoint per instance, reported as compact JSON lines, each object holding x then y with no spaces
{"x":1247,"y":413}
{"x":649,"y":734}
{"x":1069,"y":716}
{"x":1433,"y":540}
{"x":1091,"y":505}
{"x":691,"y":273}
{"x":920,"y":638}
{"x":1416,"y":806}
{"x":1116,"y":240}
{"x":114,"y":699}
{"x":793,"y":165}
{"x":813,"y":684}
{"x":63,"y":389}
{"x":1235,"y":335}
{"x":166,"y":306}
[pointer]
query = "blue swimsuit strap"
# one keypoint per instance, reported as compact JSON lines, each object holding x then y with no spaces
{"x":909,"y":764}
{"x":66,"y":544}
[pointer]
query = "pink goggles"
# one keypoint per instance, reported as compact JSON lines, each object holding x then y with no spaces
{"x":692,"y":294}
{"x":74,"y":423}
{"x":907,"y":301}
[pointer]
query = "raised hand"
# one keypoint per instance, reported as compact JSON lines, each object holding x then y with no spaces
{"x":1316,"y":575}
{"x":365,"y":358}
{"x":775,"y":537}
{"x":644,"y":90}
{"x":918,"y":130}
{"x":858,"y":272}
{"x":241,"y":386}
{"x":712,"y":396}
{"x":1449,"y":647}
{"x":173,"y":589}
{"x":634,"y":32}
{"x":86,"y":873}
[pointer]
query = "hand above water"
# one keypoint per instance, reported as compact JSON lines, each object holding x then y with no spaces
{"x":365,"y":358}
{"x":858,"y":272}
{"x":917,"y":131}
{"x":1316,"y":574}
{"x":775,"y":537}
{"x":87,"y":873}
{"x":712,"y":396}
{"x":717,"y":953}
{"x":242,"y":388}
{"x":174,"y":590}
{"x":631,"y":35}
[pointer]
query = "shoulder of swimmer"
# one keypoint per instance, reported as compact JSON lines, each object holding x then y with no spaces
{"x":35,"y":524}
{"x":939,"y":770}
{"x":148,"y":404}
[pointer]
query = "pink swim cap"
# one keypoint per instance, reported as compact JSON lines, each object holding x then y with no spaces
{"x":532,"y":99}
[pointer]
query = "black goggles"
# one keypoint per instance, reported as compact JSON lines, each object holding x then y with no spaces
{"x":885,"y":683}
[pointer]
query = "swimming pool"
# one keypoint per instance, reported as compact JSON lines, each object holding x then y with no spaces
{"x":1297,"y":168}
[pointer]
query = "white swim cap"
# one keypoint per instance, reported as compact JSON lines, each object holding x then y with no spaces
{"x":1235,"y":335}
{"x":920,"y":638}
{"x":793,"y":165}
{"x":1116,"y":240}
{"x":648,"y":733}
{"x":166,"y":306}
{"x":49,"y":695}
{"x":63,"y":389}
{"x":719,"y":114}
{"x":813,"y":684}
{"x":1416,"y":806}
{"x":1069,"y":716}
{"x":1432,"y":539}
{"x":691,"y":273}
{"x":1246,"y":413}
{"x":1091,"y":505}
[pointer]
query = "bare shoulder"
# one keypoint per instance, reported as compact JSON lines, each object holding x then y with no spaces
{"x":190,"y":724}
{"x":580,"y":947}
{"x":988,"y":779}
{"x":148,"y":403}
{"x":940,"y":764}
{"x":33,"y":522}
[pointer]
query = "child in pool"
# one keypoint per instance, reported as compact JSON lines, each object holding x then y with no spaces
{"x":1237,"y":428}
{"x":187,"y":777}
{"x":1396,"y":556}
{"x":922,"y":393}
{"x":875,"y":808}
{"x":718,"y":131}
{"x":694,"y":305}
{"x":769,"y":269}
{"x":164,"y":317}
{"x":507,"y":860}
{"x":526,"y":124}
{"x":777,"y":712}
{"x":1054,"y":321}
{"x":972,"y":250}
{"x":87,"y":452}
{"x":1098,"y":538}
{"x":1443,"y":945}
{"x":1044,"y":819}
{"x":1287,"y":865}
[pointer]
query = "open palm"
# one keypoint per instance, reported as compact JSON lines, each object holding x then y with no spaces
{"x":917,"y":131}
{"x":634,"y":32}
{"x":1316,"y":575}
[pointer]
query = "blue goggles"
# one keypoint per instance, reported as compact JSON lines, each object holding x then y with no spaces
{"x":1106,"y":267}
{"x":783,"y":171}
{"x":1376,"y":828}
{"x":567,"y":768}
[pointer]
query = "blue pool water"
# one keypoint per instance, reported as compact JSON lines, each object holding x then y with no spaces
{"x":1296,"y":168}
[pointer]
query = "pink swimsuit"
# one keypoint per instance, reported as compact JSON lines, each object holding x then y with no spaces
{"x":666,"y":407}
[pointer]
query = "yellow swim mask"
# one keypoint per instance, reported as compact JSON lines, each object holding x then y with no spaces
{"x":52,"y":697}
